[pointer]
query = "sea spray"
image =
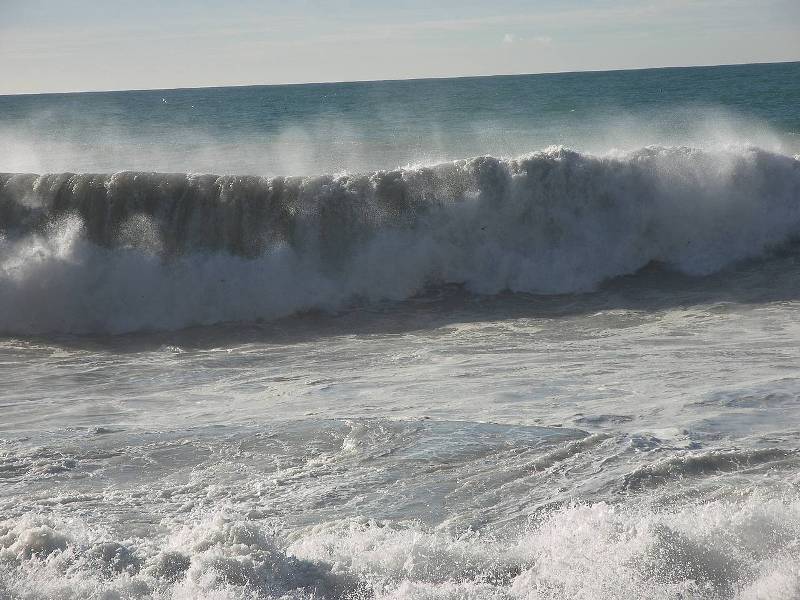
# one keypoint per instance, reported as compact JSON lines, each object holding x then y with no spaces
{"x":133,"y":251}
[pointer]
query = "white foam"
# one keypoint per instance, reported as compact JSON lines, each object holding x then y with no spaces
{"x":555,"y":221}
{"x":741,"y":548}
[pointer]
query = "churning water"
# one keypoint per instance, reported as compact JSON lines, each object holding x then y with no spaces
{"x":517,"y":337}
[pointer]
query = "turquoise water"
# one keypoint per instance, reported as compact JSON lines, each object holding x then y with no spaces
{"x":315,"y":129}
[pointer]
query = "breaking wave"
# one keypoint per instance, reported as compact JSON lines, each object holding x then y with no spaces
{"x":706,"y":551}
{"x":148,"y":251}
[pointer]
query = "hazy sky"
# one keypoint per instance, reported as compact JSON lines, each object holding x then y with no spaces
{"x":60,"y":45}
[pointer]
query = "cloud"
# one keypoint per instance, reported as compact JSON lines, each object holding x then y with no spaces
{"x":540,"y":40}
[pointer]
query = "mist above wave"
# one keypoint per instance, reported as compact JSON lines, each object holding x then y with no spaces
{"x":132,"y":251}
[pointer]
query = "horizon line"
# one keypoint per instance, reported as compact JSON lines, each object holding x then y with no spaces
{"x":398,"y":79}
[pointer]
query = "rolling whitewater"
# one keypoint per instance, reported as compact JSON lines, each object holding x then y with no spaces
{"x":519,"y":337}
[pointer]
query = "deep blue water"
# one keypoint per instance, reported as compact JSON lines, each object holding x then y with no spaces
{"x":317,"y":128}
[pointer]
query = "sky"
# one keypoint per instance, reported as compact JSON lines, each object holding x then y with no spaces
{"x":78,"y":45}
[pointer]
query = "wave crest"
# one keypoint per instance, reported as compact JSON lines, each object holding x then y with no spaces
{"x":133,"y":251}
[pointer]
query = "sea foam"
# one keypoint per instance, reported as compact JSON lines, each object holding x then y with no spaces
{"x":144,"y":251}
{"x":583,"y":551}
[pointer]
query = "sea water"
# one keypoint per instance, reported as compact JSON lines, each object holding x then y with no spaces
{"x":508,"y":337}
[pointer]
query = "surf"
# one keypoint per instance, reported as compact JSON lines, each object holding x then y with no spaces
{"x":132,"y":251}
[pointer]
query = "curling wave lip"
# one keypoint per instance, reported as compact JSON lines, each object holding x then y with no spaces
{"x":133,"y":251}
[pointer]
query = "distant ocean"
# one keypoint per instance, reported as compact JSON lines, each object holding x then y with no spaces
{"x":520,"y":337}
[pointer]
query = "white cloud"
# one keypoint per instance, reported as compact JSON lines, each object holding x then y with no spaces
{"x":540,"y":40}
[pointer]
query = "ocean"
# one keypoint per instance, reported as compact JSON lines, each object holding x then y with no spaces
{"x":516,"y":337}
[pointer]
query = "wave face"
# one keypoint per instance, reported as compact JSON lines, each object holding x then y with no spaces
{"x":140,"y":251}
